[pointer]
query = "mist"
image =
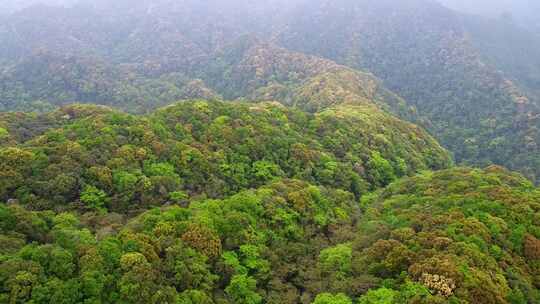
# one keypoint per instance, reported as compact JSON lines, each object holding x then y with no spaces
{"x":269,"y":151}
{"x":11,"y":6}
{"x":522,"y":12}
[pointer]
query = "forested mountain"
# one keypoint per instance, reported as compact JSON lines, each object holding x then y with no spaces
{"x":517,"y":58}
{"x":521,"y":12}
{"x":246,"y":69}
{"x":203,"y":149}
{"x":265,"y":152}
{"x":475,"y":91}
{"x":453,"y":229}
{"x":10,"y":6}
{"x":46,"y":80}
{"x":424,"y":53}
{"x":457,"y":236}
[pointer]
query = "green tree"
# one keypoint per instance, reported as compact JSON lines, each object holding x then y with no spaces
{"x":137,"y":284}
{"x":327,"y":298}
{"x":382,"y":171}
{"x":265,"y":171}
{"x":194,"y":297}
{"x":379,"y":296}
{"x":178,"y":196}
{"x":243,"y":290}
{"x":336,"y":259}
{"x":190,"y":269}
{"x":61,"y":263}
{"x":94,"y":198}
{"x":3,"y":133}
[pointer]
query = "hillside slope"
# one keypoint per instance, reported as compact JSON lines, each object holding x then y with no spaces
{"x":426,"y":54}
{"x":246,"y":69}
{"x":471,"y":88}
{"x":200,"y":148}
{"x":454,"y":236}
{"x":468,"y":235}
{"x":261,"y":152}
{"x":47,"y":80}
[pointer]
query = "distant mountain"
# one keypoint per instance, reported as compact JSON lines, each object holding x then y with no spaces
{"x":427,"y":54}
{"x":267,"y":152}
{"x":477,"y":93}
{"x":222,"y":146}
{"x":46,"y":80}
{"x":510,"y":48}
{"x":12,"y":6}
{"x":246,"y":69}
{"x":522,"y":12}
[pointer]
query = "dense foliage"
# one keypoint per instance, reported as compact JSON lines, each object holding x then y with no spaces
{"x":107,"y":159}
{"x":46,"y":80}
{"x":474,"y":82}
{"x":247,"y":70}
{"x":242,"y":152}
{"x":467,"y":236}
{"x":425,"y":53}
{"x":258,"y":244}
{"x":455,"y":236}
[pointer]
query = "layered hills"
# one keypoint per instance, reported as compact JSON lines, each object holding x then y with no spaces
{"x":474,"y":91}
{"x":249,"y":152}
{"x":455,"y":236}
{"x":199,"y":148}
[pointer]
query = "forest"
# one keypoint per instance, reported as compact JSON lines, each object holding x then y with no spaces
{"x":276,"y":152}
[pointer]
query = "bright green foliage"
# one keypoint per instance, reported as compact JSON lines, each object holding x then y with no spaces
{"x":242,"y":290}
{"x":466,"y":223}
{"x":326,"y":298}
{"x":178,"y":196}
{"x":336,"y":259}
{"x":124,"y":181}
{"x":194,"y":297}
{"x":215,"y":202}
{"x":265,"y":171}
{"x":287,"y":238}
{"x":379,"y":296}
{"x":439,"y":237}
{"x":251,"y":256}
{"x":108,"y":159}
{"x":383,"y":173}
{"x":160,"y":169}
{"x":3,"y":133}
{"x":94,"y":198}
{"x":208,"y":252}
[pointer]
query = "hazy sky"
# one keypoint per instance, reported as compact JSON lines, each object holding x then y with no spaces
{"x":8,"y":6}
{"x":526,"y":11}
{"x":489,"y":7}
{"x":529,"y":9}
{"x":472,"y":6}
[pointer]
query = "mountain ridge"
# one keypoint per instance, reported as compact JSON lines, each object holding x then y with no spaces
{"x":467,"y":93}
{"x":276,"y":152}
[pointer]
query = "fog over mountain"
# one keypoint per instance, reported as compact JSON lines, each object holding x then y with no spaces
{"x":269,"y":152}
{"x":11,"y":6}
{"x":523,"y":12}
